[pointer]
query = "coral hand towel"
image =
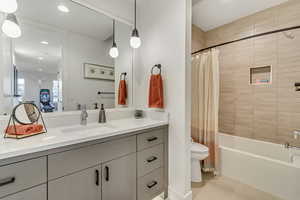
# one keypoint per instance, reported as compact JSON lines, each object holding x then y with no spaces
{"x":156,"y":92}
{"x":122,"y":93}
{"x":24,"y":129}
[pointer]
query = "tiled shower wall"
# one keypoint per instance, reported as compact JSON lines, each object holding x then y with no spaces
{"x":198,"y":39}
{"x":264,"y":112}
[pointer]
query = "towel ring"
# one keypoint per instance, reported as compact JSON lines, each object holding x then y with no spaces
{"x":123,"y":75}
{"x":156,"y":66}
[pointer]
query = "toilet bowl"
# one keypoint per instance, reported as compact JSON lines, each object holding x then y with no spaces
{"x":198,"y":152}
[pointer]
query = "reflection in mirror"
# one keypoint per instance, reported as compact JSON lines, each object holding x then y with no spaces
{"x":26,"y":113}
{"x":62,"y":60}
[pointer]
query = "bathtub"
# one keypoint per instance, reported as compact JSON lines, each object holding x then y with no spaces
{"x":266,"y":166}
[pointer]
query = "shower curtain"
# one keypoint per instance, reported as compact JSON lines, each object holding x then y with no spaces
{"x":205,"y":104}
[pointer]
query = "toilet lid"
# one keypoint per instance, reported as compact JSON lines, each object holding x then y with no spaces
{"x":196,"y":147}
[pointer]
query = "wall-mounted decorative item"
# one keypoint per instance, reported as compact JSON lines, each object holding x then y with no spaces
{"x":261,"y":75}
{"x":26,"y":120}
{"x":100,"y":72}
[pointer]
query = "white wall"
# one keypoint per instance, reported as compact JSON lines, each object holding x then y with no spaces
{"x":124,"y":62}
{"x":6,"y":71}
{"x":77,"y":50}
{"x":165,"y":31}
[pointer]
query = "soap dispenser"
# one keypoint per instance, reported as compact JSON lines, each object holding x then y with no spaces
{"x":102,"y":115}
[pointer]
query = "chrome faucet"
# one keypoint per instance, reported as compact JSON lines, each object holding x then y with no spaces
{"x":83,"y":116}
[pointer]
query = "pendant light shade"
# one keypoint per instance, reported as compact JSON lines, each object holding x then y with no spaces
{"x":135,"y":40}
{"x":114,"y":52}
{"x":11,"y":26}
{"x":8,"y":6}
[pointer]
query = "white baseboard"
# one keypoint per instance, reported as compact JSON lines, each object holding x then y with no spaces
{"x":173,"y":195}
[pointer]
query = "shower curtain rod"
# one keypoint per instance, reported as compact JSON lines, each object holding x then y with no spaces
{"x":248,"y":37}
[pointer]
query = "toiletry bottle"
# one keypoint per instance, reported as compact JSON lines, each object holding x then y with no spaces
{"x":83,"y":116}
{"x":102,"y":115}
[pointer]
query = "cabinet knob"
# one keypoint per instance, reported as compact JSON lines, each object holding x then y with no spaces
{"x":7,"y":181}
{"x":152,"y":139}
{"x":97,"y":177}
{"x":151,"y":159}
{"x":152,"y":184}
{"x":107,"y":173}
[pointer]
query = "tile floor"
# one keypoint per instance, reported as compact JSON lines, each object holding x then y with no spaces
{"x":221,"y":188}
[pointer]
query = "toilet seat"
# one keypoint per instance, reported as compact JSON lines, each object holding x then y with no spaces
{"x":198,"y":148}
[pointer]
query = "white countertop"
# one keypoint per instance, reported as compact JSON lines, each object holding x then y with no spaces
{"x":69,"y":135}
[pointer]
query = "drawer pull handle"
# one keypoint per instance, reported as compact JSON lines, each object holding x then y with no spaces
{"x":107,"y":173}
{"x":7,"y":181}
{"x":151,"y":185}
{"x":152,"y":139}
{"x":153,"y":158}
{"x":97,"y":177}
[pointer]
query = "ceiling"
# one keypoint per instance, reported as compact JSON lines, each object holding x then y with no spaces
{"x":210,"y":14}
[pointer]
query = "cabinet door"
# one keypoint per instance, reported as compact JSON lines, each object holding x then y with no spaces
{"x":119,"y":179}
{"x":83,"y":185}
{"x":36,"y":193}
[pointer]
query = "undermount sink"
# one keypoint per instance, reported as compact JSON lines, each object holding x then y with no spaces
{"x":87,"y":128}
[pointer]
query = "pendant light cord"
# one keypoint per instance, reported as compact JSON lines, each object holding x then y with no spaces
{"x":134,"y":14}
{"x":114,"y":31}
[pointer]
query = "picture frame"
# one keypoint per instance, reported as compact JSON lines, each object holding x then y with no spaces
{"x":98,"y":72}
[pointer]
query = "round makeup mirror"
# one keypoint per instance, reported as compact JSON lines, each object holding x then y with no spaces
{"x":26,"y":113}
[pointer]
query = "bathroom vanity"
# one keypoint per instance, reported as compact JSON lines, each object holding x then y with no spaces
{"x":123,"y":159}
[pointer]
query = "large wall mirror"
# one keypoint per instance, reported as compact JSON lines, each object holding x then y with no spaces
{"x":61,"y":61}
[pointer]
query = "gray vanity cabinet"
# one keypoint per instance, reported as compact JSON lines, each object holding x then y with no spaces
{"x":127,"y":167}
{"x":119,"y":178}
{"x":83,"y":185}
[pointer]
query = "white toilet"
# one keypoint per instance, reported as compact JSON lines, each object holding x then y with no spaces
{"x":198,"y":152}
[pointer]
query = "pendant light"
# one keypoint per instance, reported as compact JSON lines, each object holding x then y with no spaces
{"x":135,"y":40}
{"x":11,"y":26}
{"x":8,"y":6}
{"x":114,"y":52}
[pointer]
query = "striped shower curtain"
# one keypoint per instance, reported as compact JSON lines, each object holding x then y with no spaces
{"x":205,"y":104}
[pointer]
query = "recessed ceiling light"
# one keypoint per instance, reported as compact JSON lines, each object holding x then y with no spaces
{"x":40,"y":58}
{"x":44,"y":42}
{"x":40,"y":69}
{"x":63,"y":8}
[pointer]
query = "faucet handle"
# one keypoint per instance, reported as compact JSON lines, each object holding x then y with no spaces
{"x":296,"y":134}
{"x":83,"y":107}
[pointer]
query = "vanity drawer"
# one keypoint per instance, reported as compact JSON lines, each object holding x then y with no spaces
{"x":150,"y":159}
{"x":36,"y":193}
{"x":68,"y":162}
{"x":23,"y":175}
{"x":150,"y":139}
{"x":151,"y":185}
